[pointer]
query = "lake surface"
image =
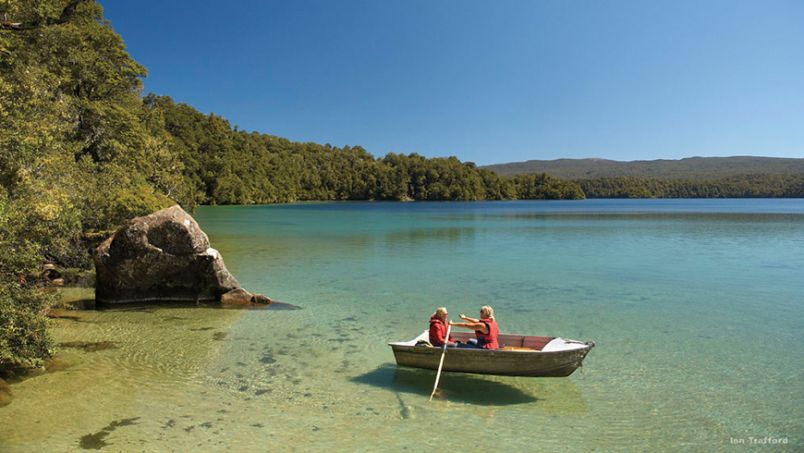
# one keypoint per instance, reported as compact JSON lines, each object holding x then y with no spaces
{"x":696,"y":306}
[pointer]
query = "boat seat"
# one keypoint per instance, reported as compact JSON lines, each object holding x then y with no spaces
{"x":537,"y":343}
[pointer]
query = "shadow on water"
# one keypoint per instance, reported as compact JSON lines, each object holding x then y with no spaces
{"x":455,"y":387}
{"x":97,"y":441}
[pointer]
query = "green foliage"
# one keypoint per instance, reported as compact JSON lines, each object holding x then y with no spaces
{"x":226,"y":166}
{"x":23,"y":335}
{"x":542,"y":186}
{"x":742,"y":186}
{"x":77,"y":142}
{"x":78,"y":151}
{"x":24,"y":341}
{"x":688,"y":169}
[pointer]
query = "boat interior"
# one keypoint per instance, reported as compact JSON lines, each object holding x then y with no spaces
{"x":511,"y":342}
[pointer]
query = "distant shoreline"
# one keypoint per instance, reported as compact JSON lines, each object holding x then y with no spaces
{"x":688,"y":168}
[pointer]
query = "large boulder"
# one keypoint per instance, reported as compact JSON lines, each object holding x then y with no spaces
{"x":163,"y":256}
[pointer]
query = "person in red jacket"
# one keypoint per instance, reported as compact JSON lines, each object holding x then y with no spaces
{"x":438,"y":328}
{"x":485,"y":328}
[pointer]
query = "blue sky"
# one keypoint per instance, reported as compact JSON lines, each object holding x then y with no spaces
{"x":487,"y":81}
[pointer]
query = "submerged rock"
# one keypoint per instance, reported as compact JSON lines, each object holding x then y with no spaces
{"x":5,"y":393}
{"x":237,"y":297}
{"x":242,"y":297}
{"x":55,"y":364}
{"x":164,"y":256}
{"x":89,"y":346}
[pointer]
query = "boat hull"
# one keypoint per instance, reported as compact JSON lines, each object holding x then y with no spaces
{"x":497,"y":362}
{"x":521,"y":355}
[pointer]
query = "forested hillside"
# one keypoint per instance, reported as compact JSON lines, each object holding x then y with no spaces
{"x":691,"y":168}
{"x":222,"y":165}
{"x":743,"y":186}
{"x":694,"y":177}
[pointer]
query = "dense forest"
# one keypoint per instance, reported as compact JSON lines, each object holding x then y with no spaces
{"x":694,"y":177}
{"x":222,"y":165}
{"x":690,"y":168}
{"x":743,"y":186}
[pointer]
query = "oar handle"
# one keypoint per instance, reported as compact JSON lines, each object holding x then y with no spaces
{"x":441,"y":363}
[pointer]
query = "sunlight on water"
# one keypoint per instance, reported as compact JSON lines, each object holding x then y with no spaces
{"x":695,"y":306}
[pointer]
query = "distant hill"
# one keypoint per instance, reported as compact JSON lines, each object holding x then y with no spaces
{"x":688,"y":168}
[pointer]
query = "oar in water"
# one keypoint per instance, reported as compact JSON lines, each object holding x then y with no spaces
{"x":441,"y":363}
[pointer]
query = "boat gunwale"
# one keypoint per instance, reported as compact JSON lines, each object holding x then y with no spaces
{"x":406,"y":346}
{"x":586,"y":346}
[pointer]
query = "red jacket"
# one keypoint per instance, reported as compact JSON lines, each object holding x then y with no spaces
{"x":438,"y":330}
{"x":488,"y":340}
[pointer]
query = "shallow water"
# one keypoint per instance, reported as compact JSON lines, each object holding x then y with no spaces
{"x":696,"y":307}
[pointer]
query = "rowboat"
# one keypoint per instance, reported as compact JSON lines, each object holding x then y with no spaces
{"x":519,"y":355}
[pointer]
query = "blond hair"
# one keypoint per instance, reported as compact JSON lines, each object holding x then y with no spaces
{"x":440,"y":311}
{"x":487,"y":310}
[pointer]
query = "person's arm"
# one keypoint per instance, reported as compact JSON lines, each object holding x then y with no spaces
{"x":472,"y":325}
{"x":468,"y":319}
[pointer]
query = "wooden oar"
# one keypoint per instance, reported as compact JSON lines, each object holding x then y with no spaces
{"x":441,"y":363}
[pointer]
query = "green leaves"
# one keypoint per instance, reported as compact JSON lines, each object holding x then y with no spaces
{"x":24,"y":340}
{"x":23,"y":335}
{"x":761,"y":186}
{"x":78,"y":152}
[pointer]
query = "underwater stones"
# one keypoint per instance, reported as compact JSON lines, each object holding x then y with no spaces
{"x":164,"y":256}
{"x":89,"y":346}
{"x":55,"y":364}
{"x":5,"y":393}
{"x":240,"y":296}
{"x":267,"y":358}
{"x":236,"y":297}
{"x":261,"y":299}
{"x":50,"y":365}
{"x":55,"y":313}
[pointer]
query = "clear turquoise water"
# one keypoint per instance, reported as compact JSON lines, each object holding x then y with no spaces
{"x":696,"y":307}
